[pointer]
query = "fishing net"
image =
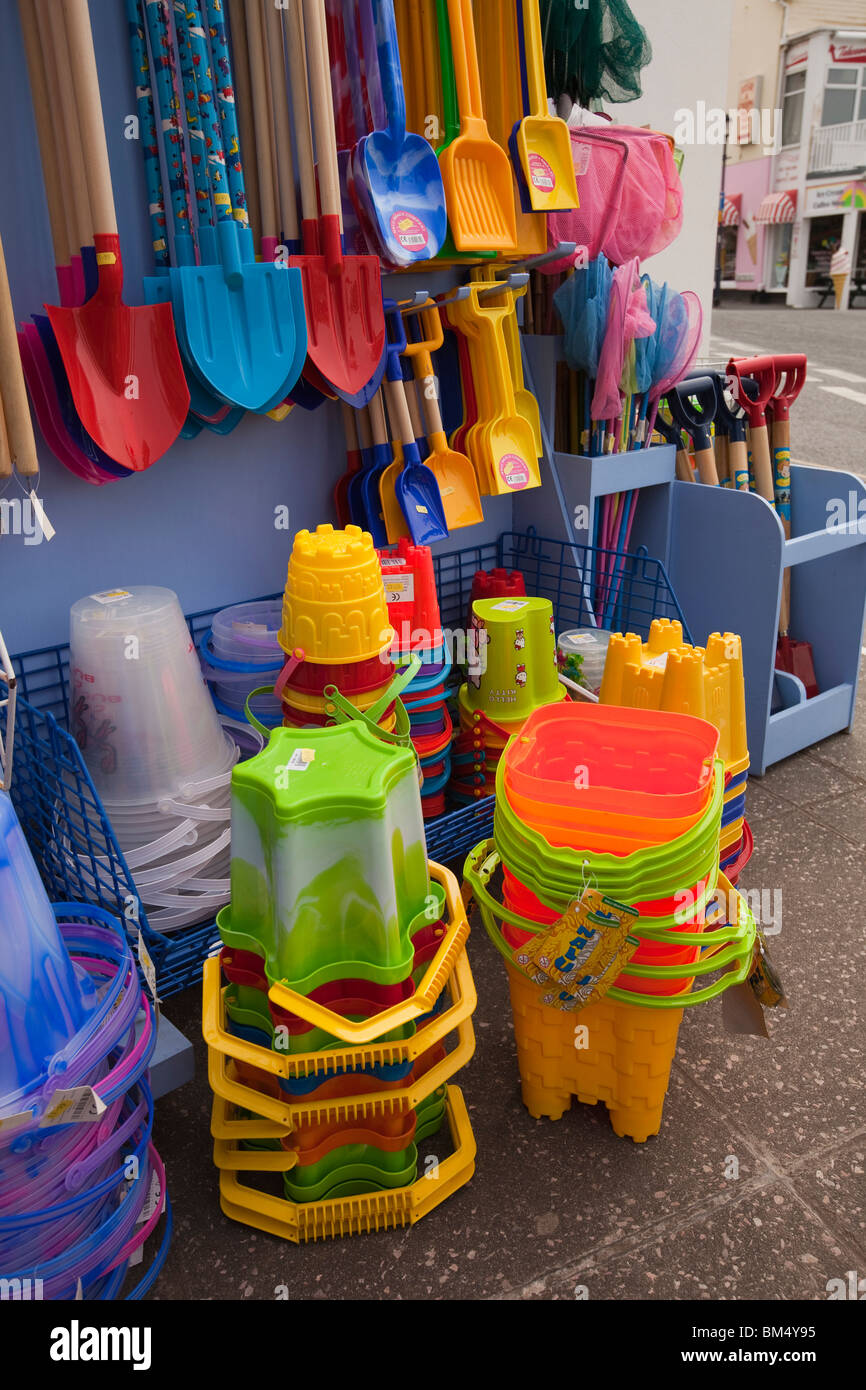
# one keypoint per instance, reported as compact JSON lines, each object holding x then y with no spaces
{"x":600,"y":160}
{"x":582,"y":304}
{"x":593,"y":53}
{"x":679,"y":339}
{"x":647,"y":348}
{"x":650,"y":213}
{"x":627,"y":319}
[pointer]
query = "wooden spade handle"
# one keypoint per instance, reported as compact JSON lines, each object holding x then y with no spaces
{"x":322,"y":102}
{"x":365,"y":433}
{"x":398,"y":409}
{"x":262,"y":119}
{"x":282,"y":127}
{"x":782,"y":444}
{"x":48,"y":143}
{"x":761,"y":464}
{"x":301,"y":113}
{"x":5,"y":453}
{"x":705,"y":460}
{"x":418,"y":429}
{"x":378,"y":423}
{"x":63,"y":110}
{"x":738,"y":464}
{"x":82,"y":61}
{"x":13,"y":392}
{"x":244,"y":113}
{"x":720,"y":446}
{"x":350,"y":426}
{"x":684,"y":466}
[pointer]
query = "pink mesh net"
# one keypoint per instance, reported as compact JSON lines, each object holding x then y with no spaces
{"x":627,"y":319}
{"x":599,"y":162}
{"x":650,"y":212}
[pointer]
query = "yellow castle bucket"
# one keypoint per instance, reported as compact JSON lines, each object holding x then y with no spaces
{"x":334,"y":605}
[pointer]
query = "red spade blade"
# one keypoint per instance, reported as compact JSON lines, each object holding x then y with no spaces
{"x":123,"y":366}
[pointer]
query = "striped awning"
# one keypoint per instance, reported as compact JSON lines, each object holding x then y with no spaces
{"x":729,"y":213}
{"x":778,"y":207}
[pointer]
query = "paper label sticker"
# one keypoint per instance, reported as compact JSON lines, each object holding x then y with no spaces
{"x":580,"y":157}
{"x":79,"y":1105}
{"x":578,"y":958}
{"x":400,"y":590}
{"x":391,"y":562}
{"x":409,"y":230}
{"x":111,"y":595}
{"x":659,"y":663}
{"x":301,"y":759}
{"x":151,"y":1201}
{"x":13,"y":1122}
{"x":147,"y":965}
{"x":510,"y":605}
{"x":45,"y":526}
{"x":514,"y":472}
{"x":541,"y":174}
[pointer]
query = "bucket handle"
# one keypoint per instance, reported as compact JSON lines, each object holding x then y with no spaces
{"x":483,"y":862}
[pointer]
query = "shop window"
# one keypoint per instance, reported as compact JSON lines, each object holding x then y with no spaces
{"x":840,"y":96}
{"x":780,"y":252}
{"x":792,"y":108}
{"x":825,"y":234}
{"x":728,"y":251}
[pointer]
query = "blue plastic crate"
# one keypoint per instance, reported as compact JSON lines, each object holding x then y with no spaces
{"x":66,"y":823}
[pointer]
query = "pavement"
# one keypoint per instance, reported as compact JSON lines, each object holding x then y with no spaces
{"x":755,"y":1186}
{"x":828,"y":423}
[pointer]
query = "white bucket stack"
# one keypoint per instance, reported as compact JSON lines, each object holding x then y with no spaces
{"x":153,"y":743}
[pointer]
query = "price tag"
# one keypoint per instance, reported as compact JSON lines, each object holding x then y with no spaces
{"x":111,"y":595}
{"x":510,"y":605}
{"x":147,"y":966}
{"x":47,"y":529}
{"x":577,"y":959}
{"x":151,"y":1201}
{"x":301,"y":759}
{"x":400,"y":590}
{"x":13,"y":1122}
{"x":80,"y":1105}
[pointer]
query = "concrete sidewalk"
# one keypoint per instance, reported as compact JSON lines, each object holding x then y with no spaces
{"x":557,"y":1205}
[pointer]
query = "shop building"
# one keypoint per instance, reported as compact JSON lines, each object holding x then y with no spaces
{"x":785,"y":207}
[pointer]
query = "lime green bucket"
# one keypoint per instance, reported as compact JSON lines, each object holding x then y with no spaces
{"x":329,"y":873}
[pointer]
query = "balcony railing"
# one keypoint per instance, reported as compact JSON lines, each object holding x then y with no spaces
{"x":839,"y":148}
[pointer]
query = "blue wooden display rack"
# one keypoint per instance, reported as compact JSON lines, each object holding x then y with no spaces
{"x":725,"y":553}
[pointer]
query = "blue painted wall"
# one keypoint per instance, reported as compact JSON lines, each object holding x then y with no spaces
{"x":201,"y":520}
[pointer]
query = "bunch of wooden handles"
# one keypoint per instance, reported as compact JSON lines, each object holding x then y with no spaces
{"x":267,"y":39}
{"x":17,"y":445}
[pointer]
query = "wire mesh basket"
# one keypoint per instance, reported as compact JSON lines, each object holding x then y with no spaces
{"x":69,"y":831}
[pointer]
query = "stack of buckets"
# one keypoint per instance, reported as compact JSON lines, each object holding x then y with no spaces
{"x":336,"y":628}
{"x":343,"y":972}
{"x":665,"y":673}
{"x":629,"y":802}
{"x":513,"y":671}
{"x":413,"y":608}
{"x":77,"y":1033}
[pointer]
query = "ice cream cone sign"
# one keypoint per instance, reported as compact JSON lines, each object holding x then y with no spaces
{"x":840,"y":269}
{"x":750,"y":230}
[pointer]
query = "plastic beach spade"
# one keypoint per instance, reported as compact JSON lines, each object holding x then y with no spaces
{"x":342,"y":294}
{"x":245,"y":326}
{"x":396,"y":175}
{"x":542,"y":141}
{"x":475,"y":170}
{"x":123,"y":364}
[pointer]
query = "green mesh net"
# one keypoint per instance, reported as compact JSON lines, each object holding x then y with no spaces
{"x":593,"y":53}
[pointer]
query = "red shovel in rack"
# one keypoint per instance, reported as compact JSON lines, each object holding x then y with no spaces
{"x":343,"y":294}
{"x":123,"y":364}
{"x":791,"y":655}
{"x":774,"y":485}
